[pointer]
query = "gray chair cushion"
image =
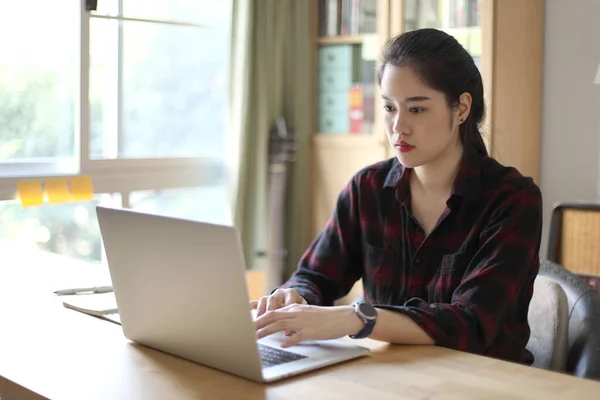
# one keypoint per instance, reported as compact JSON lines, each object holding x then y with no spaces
{"x":583,"y":354}
{"x":549,"y":322}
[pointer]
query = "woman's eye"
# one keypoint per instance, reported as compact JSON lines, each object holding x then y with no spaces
{"x":388,"y":108}
{"x":416,"y":110}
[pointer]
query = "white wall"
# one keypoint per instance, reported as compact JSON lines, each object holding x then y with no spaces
{"x":571,"y":104}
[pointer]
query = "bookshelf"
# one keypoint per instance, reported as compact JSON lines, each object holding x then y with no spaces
{"x":505,"y":38}
{"x":347,"y":39}
{"x":348,"y":36}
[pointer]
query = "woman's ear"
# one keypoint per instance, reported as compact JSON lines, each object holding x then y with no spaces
{"x":464,"y":106}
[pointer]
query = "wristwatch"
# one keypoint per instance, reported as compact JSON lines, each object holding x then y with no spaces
{"x":368,"y":314}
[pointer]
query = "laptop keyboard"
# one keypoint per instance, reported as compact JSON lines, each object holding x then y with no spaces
{"x":271,"y":356}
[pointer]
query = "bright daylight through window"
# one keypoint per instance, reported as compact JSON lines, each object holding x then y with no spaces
{"x":133,"y":95}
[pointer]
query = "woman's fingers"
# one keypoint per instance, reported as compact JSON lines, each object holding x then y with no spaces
{"x":292,"y":297}
{"x":274,"y":302}
{"x":280,"y":298}
{"x":274,"y":327}
{"x":262,"y":306}
{"x":294,"y":339}
{"x":274,"y":316}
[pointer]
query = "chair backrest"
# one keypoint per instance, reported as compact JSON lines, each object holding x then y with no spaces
{"x":574,"y":237}
{"x":549,"y":322}
{"x":583,"y":336}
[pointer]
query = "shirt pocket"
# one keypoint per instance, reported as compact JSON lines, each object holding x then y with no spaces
{"x":448,"y":278}
{"x":383,"y":274}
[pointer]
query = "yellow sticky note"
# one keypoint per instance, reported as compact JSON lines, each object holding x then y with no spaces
{"x":30,"y":193}
{"x":81,"y":188}
{"x":57,"y":190}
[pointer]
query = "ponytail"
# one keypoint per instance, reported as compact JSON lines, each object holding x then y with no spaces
{"x":471,"y":137}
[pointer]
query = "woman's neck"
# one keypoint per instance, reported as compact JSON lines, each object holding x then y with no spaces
{"x":437,"y":176}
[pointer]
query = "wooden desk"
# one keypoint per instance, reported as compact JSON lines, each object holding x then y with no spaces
{"x":47,"y":351}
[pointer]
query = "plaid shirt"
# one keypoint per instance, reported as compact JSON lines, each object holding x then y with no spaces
{"x":468,"y":284}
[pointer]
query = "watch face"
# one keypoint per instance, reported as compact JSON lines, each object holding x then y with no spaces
{"x":367,"y":310}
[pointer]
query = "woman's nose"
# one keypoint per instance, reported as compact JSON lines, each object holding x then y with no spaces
{"x":399,"y":125}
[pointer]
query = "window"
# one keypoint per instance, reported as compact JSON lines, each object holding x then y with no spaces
{"x":161,"y":86}
{"x":133,"y":95}
{"x":38,"y":83}
{"x":193,"y":203}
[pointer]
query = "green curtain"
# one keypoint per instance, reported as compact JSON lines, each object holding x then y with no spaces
{"x":270,"y":77}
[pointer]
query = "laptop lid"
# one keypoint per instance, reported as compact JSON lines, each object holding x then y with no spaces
{"x":180,"y":288}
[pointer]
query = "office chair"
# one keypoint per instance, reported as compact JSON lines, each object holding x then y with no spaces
{"x":576,"y":351}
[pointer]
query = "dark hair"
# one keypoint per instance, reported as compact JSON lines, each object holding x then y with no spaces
{"x":444,"y":65}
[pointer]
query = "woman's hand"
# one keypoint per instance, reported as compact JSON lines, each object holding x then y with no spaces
{"x":306,"y":322}
{"x":279,"y":298}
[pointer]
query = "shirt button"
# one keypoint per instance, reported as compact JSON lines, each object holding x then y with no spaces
{"x":417,"y":261}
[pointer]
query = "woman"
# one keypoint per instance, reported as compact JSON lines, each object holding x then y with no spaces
{"x":445,"y":238}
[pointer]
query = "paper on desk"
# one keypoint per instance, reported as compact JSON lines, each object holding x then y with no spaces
{"x":102,"y":305}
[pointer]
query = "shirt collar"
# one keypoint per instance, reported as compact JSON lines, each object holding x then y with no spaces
{"x":467,"y":183}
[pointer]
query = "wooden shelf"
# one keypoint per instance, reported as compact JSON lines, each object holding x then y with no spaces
{"x":346,"y":39}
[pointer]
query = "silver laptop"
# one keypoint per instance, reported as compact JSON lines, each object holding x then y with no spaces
{"x":180,"y":287}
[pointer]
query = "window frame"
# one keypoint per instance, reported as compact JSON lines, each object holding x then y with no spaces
{"x":121,"y":175}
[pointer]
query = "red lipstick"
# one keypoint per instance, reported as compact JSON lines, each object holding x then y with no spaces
{"x":403,"y":146}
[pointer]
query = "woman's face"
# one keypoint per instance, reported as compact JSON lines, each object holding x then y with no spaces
{"x":418,"y":123}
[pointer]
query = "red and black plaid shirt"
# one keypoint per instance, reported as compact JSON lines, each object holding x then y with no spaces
{"x":468,"y":284}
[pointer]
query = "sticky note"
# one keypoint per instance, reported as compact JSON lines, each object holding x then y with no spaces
{"x":30,"y":193}
{"x":370,"y":47}
{"x":57,"y":190}
{"x":81,"y":188}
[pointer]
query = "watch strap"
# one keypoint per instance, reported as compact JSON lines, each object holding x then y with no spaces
{"x":367,"y":329}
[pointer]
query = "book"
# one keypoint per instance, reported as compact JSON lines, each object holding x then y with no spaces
{"x":356,"y":109}
{"x":347,"y":17}
{"x":101,"y":305}
{"x":367,"y":16}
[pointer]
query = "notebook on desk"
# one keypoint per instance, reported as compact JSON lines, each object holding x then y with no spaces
{"x":101,"y":305}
